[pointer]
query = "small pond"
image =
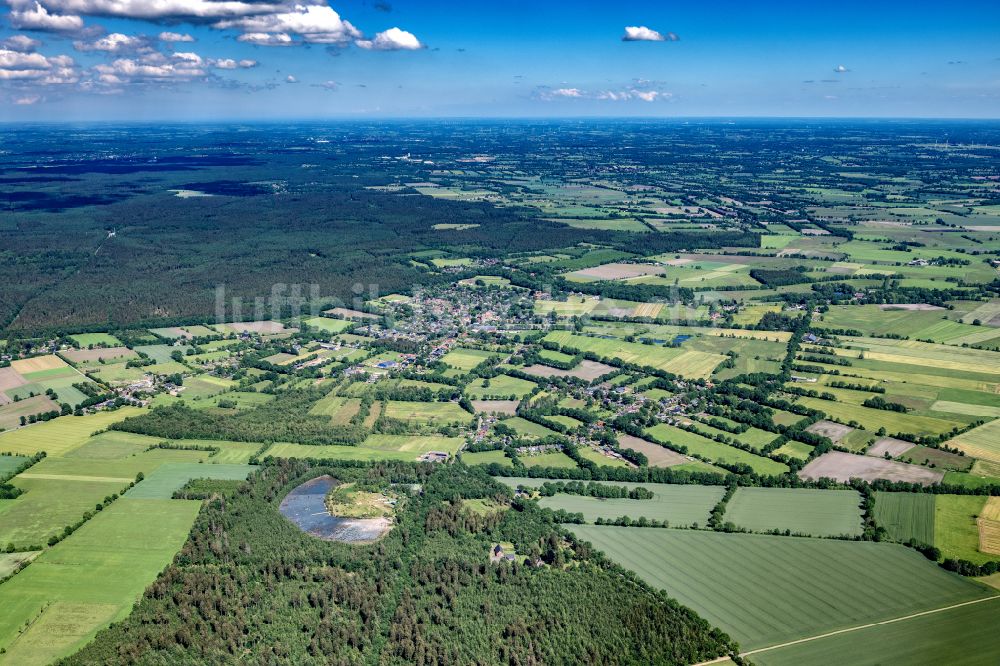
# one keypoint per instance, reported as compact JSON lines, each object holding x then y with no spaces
{"x":306,"y":507}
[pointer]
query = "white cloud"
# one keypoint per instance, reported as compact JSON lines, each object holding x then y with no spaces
{"x":192,"y":58}
{"x":21,"y":43}
{"x":125,"y":68}
{"x":841,"y":69}
{"x":327,"y":85}
{"x":567,"y":92}
{"x":35,"y":67}
{"x":318,"y":24}
{"x":160,"y":9}
{"x":640,"y":33}
{"x":625,"y":94}
{"x":22,"y":61}
{"x":28,"y":100}
{"x":392,"y":39}
{"x":646,"y":95}
{"x":266,"y":39}
{"x":39,"y":18}
{"x":172,"y":37}
{"x":229,"y":63}
{"x":116,"y":42}
{"x":291,"y":79}
{"x":153,"y":67}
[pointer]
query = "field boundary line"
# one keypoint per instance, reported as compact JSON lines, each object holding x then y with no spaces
{"x":870,"y":624}
{"x":76,"y":477}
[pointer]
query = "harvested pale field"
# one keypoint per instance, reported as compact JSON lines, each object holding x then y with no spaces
{"x":835,"y":431}
{"x":171,"y":332}
{"x":11,"y":413}
{"x":261,"y":327}
{"x":108,"y":353}
{"x":651,"y":310}
{"x":39,"y":363}
{"x":991,"y":511}
{"x":508,"y":407}
{"x":989,"y":536}
{"x":951,"y":407}
{"x":920,"y":307}
{"x":350,"y":314}
{"x":982,"y":442}
{"x":9,"y":378}
{"x":894,"y":447}
{"x":658,"y":456}
{"x":989,"y":528}
{"x":846,"y":466}
{"x":586,"y":370}
{"x":618,"y":271}
{"x":987,"y":313}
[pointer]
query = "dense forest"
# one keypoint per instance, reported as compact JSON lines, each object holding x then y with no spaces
{"x":98,"y":242}
{"x":250,"y":586}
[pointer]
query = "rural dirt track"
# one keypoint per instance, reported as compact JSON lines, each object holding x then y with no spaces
{"x":865,"y":626}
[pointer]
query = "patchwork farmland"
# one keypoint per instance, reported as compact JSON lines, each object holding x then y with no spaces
{"x":663,"y":409}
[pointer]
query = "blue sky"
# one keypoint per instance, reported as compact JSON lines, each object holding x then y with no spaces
{"x":274,"y":59}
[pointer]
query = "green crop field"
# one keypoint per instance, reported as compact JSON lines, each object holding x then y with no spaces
{"x":419,"y":383}
{"x":955,"y":530}
{"x":204,"y":386}
{"x":243,"y":400}
{"x":48,"y":505}
{"x":795,"y":449}
{"x":328,"y":325}
{"x":874,"y":419}
{"x":90,"y":579}
{"x":10,"y":463}
{"x":962,"y":636}
{"x":528,"y":428}
{"x":501,"y":385}
{"x":682,"y":505}
{"x":427,"y":412}
{"x":801,"y":510}
{"x":375,"y":447}
{"x":553,"y":459}
{"x":765,"y":590}
{"x":87,"y":339}
{"x":691,"y":364}
{"x":906,"y":516}
{"x":229,"y":453}
{"x":786,"y":418}
{"x":113,"y":445}
{"x":465,"y":359}
{"x":58,"y":436}
{"x":487,"y":457}
{"x":167,"y":478}
{"x":565,"y":421}
{"x":550,"y":355}
{"x":338,"y":408}
{"x":715,"y":451}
